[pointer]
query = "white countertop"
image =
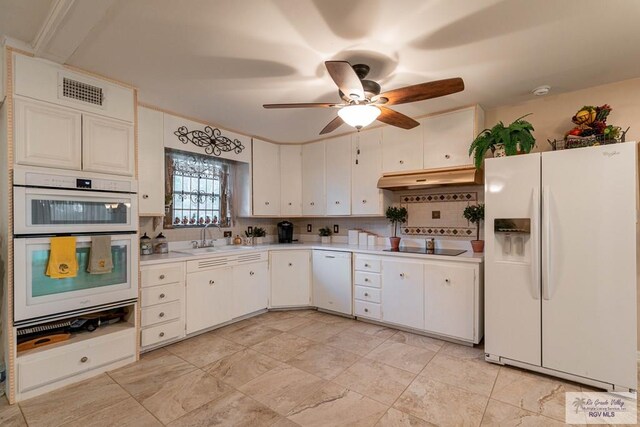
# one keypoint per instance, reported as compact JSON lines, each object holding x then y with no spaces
{"x":176,"y":256}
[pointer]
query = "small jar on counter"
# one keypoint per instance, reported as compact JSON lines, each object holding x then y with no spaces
{"x":160,"y":244}
{"x":146,"y":248}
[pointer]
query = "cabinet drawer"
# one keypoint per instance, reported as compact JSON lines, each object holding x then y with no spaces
{"x":160,"y":333}
{"x":367,"y":279}
{"x":62,"y":362}
{"x":367,"y":264}
{"x":364,"y":293}
{"x":162,"y":275}
{"x":161,"y":294}
{"x":368,"y":309}
{"x":160,"y":313}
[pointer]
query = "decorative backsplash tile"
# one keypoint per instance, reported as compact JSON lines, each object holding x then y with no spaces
{"x":439,"y":214}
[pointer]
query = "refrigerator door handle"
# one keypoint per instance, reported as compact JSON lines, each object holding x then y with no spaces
{"x":535,"y":250}
{"x":546,"y":234}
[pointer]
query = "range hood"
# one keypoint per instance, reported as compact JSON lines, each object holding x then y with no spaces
{"x":467,"y":175}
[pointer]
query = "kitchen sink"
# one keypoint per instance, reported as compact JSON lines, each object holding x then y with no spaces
{"x":213,"y":249}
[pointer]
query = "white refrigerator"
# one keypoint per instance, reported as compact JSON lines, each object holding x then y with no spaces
{"x":561,"y":263}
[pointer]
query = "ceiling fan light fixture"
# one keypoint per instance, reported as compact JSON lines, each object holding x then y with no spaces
{"x":359,"y":116}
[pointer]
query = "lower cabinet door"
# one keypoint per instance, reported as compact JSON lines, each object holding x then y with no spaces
{"x":290,"y":278}
{"x":450,"y":299}
{"x":209,"y":297}
{"x":250,"y":288}
{"x":403,"y":293}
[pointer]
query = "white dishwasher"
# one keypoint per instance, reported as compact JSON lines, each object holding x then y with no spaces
{"x":332,"y":281}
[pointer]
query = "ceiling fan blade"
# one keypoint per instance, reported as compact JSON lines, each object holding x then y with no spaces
{"x":333,"y":125}
{"x":347,"y":80}
{"x":394,"y":118}
{"x":303,"y":105}
{"x":421,"y":91}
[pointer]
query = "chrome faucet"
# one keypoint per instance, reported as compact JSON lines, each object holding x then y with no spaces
{"x":203,"y":234}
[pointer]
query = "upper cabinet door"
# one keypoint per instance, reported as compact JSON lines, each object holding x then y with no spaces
{"x":107,"y":146}
{"x":151,"y":164}
{"x":366,"y":162}
{"x":447,"y":137}
{"x":266,"y":178}
{"x":47,"y":135}
{"x":338,"y":168}
{"x":402,"y":149}
{"x":313,"y":192}
{"x":290,"y":180}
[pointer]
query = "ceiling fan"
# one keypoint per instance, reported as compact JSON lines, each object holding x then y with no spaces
{"x":363,"y":103}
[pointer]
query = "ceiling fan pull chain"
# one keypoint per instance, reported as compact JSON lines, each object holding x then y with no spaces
{"x":357,"y":145}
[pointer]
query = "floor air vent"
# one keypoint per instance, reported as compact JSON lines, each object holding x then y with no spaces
{"x":80,"y":91}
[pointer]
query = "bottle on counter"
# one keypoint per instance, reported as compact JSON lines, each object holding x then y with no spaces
{"x":160,"y":244}
{"x":146,"y":248}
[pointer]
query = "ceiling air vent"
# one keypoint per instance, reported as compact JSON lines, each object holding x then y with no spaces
{"x":80,"y":91}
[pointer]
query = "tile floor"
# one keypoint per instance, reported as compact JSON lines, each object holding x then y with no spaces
{"x":303,"y":368}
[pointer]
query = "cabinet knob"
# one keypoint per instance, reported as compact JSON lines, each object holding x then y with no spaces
{"x":84,"y":359}
{"x":145,"y":196}
{"x":402,"y":275}
{"x":364,"y":201}
{"x":161,"y":314}
{"x":367,"y":265}
{"x":337,"y":202}
{"x":266,"y":203}
{"x":366,"y":279}
{"x":211,"y":282}
{"x":366,"y":294}
{"x":251,"y":273}
{"x":162,"y":296}
{"x":312,"y":204}
{"x":161,"y":334}
{"x":402,"y":162}
{"x":289,"y":203}
{"x":447,"y":281}
{"x":446,"y":156}
{"x":162,"y":277}
{"x":290,"y":264}
{"x":366,"y":310}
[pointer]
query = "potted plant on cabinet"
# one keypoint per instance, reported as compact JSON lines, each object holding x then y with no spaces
{"x":325,"y":234}
{"x":259,"y":233}
{"x":513,"y":139}
{"x":396,"y":215}
{"x":474,"y":214}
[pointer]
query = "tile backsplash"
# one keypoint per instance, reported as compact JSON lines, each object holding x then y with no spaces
{"x":446,"y":202}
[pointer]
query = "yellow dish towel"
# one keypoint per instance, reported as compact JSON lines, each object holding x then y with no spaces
{"x":63,"y":262}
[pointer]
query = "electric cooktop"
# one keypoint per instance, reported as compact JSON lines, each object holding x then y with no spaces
{"x":448,"y":252}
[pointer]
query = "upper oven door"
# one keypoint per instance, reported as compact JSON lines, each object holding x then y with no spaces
{"x":47,"y":211}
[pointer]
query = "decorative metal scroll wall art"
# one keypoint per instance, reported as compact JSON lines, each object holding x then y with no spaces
{"x":211,"y":139}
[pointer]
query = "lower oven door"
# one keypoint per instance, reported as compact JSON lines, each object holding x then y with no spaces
{"x":37,"y":295}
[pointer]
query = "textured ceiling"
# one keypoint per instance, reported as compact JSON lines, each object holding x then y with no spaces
{"x":221,"y":60}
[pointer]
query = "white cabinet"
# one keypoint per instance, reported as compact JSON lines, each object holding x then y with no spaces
{"x":366,"y":156}
{"x":266,"y":178}
{"x":332,"y":281}
{"x":451,"y":299}
{"x":313,"y":177}
{"x":209,"y":298}
{"x":290,"y":278}
{"x":151,"y":164}
{"x":338,"y":175}
{"x":290,"y":180}
{"x":402,"y":149}
{"x":447,"y":137}
{"x":47,"y":135}
{"x":107,"y":146}
{"x":403,"y":293}
{"x":250,"y":288}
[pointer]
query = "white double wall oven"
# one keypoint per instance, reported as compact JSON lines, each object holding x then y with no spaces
{"x":52,"y":202}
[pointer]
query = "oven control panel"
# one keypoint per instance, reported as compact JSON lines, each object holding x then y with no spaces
{"x":73,"y":182}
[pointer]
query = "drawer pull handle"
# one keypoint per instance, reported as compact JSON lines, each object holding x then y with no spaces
{"x":402,"y":275}
{"x":161,"y":334}
{"x":266,"y":203}
{"x":367,"y":265}
{"x":145,"y":196}
{"x":447,"y":156}
{"x":162,"y":277}
{"x":211,"y":282}
{"x":366,"y":294}
{"x":402,"y":162}
{"x":289,"y":203}
{"x":161,"y":314}
{"x":366,"y":310}
{"x":251,"y":273}
{"x":366,"y":279}
{"x":290,"y":265}
{"x":84,"y":359}
{"x":447,"y":281}
{"x":162,"y":296}
{"x":364,"y":201}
